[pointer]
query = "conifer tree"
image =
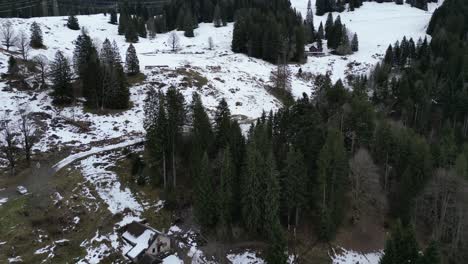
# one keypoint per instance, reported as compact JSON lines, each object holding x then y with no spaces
{"x":251,"y":183}
{"x":72,"y":23}
{"x":131,"y":31}
{"x":61,"y":76}
{"x":329,"y":26}
{"x":113,"y":17}
{"x":355,"y":43}
{"x":401,"y":247}
{"x":222,"y":125}
{"x":176,"y":117}
{"x":431,"y":255}
{"x":12,"y":66}
{"x":217,"y":20}
{"x":205,"y":199}
{"x":321,"y":7}
{"x":294,"y":175}
{"x":225,"y":193}
{"x":188,"y":25}
{"x":132,"y":64}
{"x":272,"y":195}
{"x":124,"y":20}
{"x":142,"y":32}
{"x":277,"y":247}
{"x":309,"y":23}
{"x":36,"y":36}
{"x":332,"y":172}
{"x":320,"y":32}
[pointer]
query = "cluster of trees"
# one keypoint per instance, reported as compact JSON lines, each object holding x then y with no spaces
{"x":270,"y":32}
{"x":339,"y":39}
{"x":402,"y":247}
{"x":338,"y":36}
{"x":101,"y":75}
{"x":21,"y":40}
{"x":326,"y":6}
{"x":18,"y":139}
{"x":422,"y":85}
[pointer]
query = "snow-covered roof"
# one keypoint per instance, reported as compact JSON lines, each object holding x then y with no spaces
{"x":141,"y":243}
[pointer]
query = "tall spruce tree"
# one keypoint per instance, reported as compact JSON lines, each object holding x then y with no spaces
{"x":332,"y":172}
{"x":294,"y":176}
{"x":355,"y":43}
{"x":36,"y":36}
{"x":309,"y":23}
{"x":226,"y":192}
{"x":72,"y":23}
{"x":61,"y":76}
{"x":132,"y":64}
{"x":222,"y":125}
{"x":217,"y":19}
{"x":131,"y":30}
{"x":176,"y":118}
{"x":188,"y":24}
{"x":205,"y":195}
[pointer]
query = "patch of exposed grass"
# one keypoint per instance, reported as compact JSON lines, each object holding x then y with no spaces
{"x":192,"y":78}
{"x":136,"y":79}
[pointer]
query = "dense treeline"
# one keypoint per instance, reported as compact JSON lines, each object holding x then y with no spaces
{"x":325,"y":6}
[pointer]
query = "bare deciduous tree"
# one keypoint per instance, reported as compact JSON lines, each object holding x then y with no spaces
{"x":174,"y":41}
{"x":8,"y":35}
{"x":9,"y":148}
{"x":23,"y":46}
{"x":210,"y":43}
{"x":281,"y":77}
{"x":27,"y":130}
{"x":443,"y":208}
{"x":42,"y":64}
{"x":364,"y":178}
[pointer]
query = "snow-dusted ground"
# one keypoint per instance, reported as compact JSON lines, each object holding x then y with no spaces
{"x":352,"y":257}
{"x":236,"y":77}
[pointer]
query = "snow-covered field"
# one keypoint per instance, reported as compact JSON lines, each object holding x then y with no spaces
{"x":236,"y":77}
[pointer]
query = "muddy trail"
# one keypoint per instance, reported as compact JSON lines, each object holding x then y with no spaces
{"x":36,"y":179}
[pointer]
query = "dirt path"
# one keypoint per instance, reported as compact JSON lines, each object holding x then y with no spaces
{"x":36,"y":178}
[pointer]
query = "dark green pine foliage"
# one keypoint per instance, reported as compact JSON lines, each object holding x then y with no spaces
{"x":294,"y":176}
{"x":329,"y":26}
{"x":132,"y":64}
{"x":401,"y":247}
{"x":217,"y":19}
{"x":276,"y":252}
{"x":271,"y":200}
{"x":251,"y":184}
{"x":261,"y":30}
{"x":141,"y":26}
{"x":309,"y":23}
{"x":36,"y":36}
{"x":222,"y":126}
{"x":300,"y":44}
{"x":131,"y":30}
{"x":113,"y":17}
{"x":332,"y":172}
{"x":188,"y":24}
{"x":176,"y":118}
{"x":355,"y":43}
{"x":431,"y":255}
{"x":205,"y":195}
{"x":61,"y":77}
{"x":226,"y":192}
{"x":124,"y":20}
{"x":72,"y":23}
{"x":87,"y":67}
{"x":12,"y":66}
{"x":155,"y":124}
{"x":320,"y":32}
